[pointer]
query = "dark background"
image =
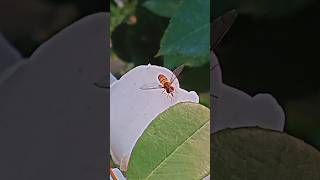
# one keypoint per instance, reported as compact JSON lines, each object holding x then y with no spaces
{"x":273,"y":47}
{"x":29,"y":23}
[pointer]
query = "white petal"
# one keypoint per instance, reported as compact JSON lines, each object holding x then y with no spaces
{"x":132,"y":109}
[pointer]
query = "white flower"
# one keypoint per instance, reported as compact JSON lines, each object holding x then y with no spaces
{"x":132,"y":108}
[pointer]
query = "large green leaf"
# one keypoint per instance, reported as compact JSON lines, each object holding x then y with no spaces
{"x":188,"y":36}
{"x":174,"y":146}
{"x":166,"y":8}
{"x":254,"y":153}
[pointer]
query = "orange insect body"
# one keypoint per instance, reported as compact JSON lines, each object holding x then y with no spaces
{"x":166,"y":84}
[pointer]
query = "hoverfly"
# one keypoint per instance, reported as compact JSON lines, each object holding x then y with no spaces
{"x":165,"y":83}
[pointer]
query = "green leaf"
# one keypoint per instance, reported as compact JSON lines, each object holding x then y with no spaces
{"x":165,"y":8}
{"x":187,"y":38}
{"x":175,"y":145}
{"x":254,"y":153}
{"x":175,"y":61}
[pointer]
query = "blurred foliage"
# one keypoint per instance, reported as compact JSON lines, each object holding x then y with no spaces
{"x":118,"y":14}
{"x":277,"y":54}
{"x":138,"y":43}
{"x":196,"y":78}
{"x":205,"y":99}
{"x":158,"y":39}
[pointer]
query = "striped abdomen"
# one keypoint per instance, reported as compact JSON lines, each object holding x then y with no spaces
{"x":166,"y":84}
{"x":163,"y":79}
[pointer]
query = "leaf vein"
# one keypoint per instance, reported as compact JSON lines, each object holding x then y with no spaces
{"x":178,"y":147}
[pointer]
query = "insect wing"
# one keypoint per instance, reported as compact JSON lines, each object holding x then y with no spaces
{"x":176,"y":73}
{"x":221,"y":26}
{"x":150,"y":86}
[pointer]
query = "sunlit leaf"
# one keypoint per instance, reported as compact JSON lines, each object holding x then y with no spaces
{"x":174,"y":146}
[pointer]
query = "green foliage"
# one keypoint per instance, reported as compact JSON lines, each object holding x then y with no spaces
{"x":118,"y":14}
{"x":187,"y":39}
{"x":166,"y":8}
{"x":196,"y":78}
{"x":139,"y":43}
{"x":254,"y":153}
{"x":174,"y":146}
